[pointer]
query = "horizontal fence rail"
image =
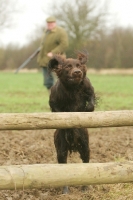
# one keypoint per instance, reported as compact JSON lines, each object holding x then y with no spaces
{"x":32,"y":121}
{"x":55,"y":175}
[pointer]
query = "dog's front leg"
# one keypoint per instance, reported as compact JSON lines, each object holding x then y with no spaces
{"x":90,"y":105}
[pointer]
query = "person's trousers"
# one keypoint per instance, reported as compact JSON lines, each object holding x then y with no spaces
{"x":48,"y":78}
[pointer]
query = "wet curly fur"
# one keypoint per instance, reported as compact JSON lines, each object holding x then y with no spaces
{"x":72,"y":92}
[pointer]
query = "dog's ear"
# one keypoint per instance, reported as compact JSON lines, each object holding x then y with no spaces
{"x":82,"y":56}
{"x":55,"y":62}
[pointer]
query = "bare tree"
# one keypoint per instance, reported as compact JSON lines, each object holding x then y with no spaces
{"x":82,"y":19}
{"x":7,"y":9}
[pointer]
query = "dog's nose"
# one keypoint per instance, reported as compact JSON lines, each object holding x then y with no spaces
{"x":77,"y":72}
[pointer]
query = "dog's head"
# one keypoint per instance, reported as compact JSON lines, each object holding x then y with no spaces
{"x":70,"y":71}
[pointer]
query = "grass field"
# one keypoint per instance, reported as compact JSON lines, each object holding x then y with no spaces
{"x":24,"y":92}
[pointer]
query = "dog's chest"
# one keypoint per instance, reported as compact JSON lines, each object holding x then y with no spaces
{"x":72,"y":102}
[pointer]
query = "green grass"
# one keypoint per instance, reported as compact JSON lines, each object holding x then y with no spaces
{"x":115,"y":91}
{"x":24,"y":92}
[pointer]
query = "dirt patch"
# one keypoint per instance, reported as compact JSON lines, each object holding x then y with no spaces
{"x":32,"y":147}
{"x":111,"y":71}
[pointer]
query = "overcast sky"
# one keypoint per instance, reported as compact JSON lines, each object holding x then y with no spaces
{"x":32,"y":16}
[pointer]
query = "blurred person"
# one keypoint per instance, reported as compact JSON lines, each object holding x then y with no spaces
{"x":54,"y":41}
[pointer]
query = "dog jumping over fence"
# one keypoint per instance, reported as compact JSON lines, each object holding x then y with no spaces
{"x":72,"y":92}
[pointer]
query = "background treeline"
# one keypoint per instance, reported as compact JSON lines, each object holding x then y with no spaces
{"x":87,"y":25}
{"x":112,"y":50}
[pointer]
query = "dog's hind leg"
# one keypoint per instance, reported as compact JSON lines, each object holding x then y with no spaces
{"x":83,"y":149}
{"x":61,"y":145}
{"x":62,"y":151}
{"x":83,"y":145}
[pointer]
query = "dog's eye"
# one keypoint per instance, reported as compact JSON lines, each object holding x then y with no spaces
{"x":68,"y":66}
{"x":77,"y":65}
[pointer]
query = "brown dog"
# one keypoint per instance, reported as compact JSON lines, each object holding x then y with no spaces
{"x":72,"y":92}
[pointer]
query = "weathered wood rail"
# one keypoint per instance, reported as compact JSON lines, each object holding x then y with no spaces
{"x":31,"y":121}
{"x":55,"y":175}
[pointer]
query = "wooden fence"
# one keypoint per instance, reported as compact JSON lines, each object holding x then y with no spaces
{"x":55,"y":175}
{"x":23,"y":121}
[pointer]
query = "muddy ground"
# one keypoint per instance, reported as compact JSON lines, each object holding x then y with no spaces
{"x":33,"y":147}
